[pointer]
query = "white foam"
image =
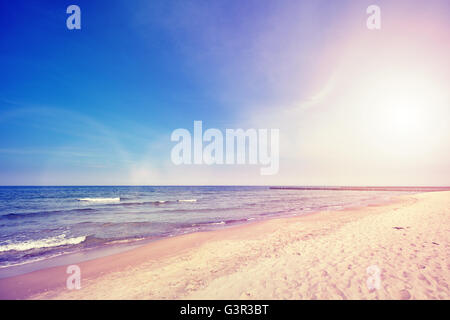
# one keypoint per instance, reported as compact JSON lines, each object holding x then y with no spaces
{"x":42,"y":243}
{"x":100,"y":199}
{"x":188,"y":200}
{"x":125,"y":241}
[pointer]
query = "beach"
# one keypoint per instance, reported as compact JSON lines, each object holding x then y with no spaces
{"x":395,"y":250}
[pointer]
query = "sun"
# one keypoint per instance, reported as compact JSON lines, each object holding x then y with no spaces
{"x":404,"y":106}
{"x":405,"y":115}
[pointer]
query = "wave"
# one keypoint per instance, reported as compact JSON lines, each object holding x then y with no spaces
{"x":100,"y":199}
{"x":147,"y":203}
{"x":38,"y":213}
{"x":207,"y":223}
{"x":143,"y":203}
{"x":129,"y":240}
{"x":231,"y":221}
{"x":42,"y":243}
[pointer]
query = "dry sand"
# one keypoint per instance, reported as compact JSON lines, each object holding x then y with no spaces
{"x":321,"y":256}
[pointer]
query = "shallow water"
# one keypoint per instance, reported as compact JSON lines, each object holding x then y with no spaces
{"x":41,"y":222}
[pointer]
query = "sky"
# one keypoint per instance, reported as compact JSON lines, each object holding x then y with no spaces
{"x":97,"y":106}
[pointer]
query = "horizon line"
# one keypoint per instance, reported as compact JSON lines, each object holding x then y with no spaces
{"x":234,"y":185}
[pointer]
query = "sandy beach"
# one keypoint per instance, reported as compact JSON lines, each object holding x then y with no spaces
{"x":325,"y":255}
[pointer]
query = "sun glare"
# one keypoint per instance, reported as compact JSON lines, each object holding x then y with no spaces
{"x":404,"y":106}
{"x":405,"y":115}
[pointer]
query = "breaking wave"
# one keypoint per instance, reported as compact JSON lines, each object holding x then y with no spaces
{"x":42,"y":243}
{"x":100,"y":199}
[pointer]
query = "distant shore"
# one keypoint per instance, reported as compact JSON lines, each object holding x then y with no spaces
{"x":352,"y":188}
{"x":326,"y":255}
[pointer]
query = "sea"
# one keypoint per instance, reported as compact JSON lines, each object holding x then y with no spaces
{"x":41,"y":223}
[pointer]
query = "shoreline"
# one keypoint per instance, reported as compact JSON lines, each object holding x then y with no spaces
{"x":242,"y":246}
{"x":87,"y":254}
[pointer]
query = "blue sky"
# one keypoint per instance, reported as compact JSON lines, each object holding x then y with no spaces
{"x":98,"y":105}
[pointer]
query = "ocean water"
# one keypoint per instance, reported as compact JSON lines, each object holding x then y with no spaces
{"x":38,"y":223}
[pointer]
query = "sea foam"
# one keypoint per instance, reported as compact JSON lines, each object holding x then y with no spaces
{"x":100,"y":199}
{"x":42,"y":243}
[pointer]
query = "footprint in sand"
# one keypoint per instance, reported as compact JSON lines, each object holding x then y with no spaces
{"x":404,"y":294}
{"x":423,"y":278}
